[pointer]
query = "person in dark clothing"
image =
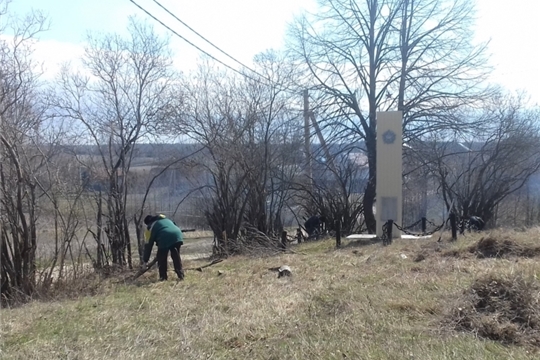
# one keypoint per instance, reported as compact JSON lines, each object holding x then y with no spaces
{"x":168,"y":238}
{"x":314,"y":224}
{"x":476,"y":223}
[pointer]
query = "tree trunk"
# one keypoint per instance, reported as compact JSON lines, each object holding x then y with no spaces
{"x":370,"y":191}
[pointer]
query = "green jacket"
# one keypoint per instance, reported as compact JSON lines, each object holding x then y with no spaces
{"x":165,"y":234}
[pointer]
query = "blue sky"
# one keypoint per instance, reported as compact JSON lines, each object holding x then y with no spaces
{"x":246,"y":27}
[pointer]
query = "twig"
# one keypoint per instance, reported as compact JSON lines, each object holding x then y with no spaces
{"x":153,"y":262}
{"x":216,"y":261}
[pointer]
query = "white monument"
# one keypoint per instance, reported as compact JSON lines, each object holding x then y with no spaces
{"x":389,"y":198}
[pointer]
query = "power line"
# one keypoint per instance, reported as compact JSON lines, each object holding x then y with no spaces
{"x":195,"y":46}
{"x":209,"y":42}
{"x":278,"y":85}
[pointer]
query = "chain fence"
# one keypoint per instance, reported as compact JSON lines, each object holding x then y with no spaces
{"x":426,"y":233}
{"x":462,"y":224}
{"x":413,"y":225}
{"x":456,"y":224}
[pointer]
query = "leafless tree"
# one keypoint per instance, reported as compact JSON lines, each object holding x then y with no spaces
{"x":477,"y":173}
{"x":246,"y":126}
{"x":520,"y":209}
{"x":419,"y":188}
{"x":123,"y":95}
{"x":21,"y":118}
{"x":375,"y":55}
{"x":335,"y":188}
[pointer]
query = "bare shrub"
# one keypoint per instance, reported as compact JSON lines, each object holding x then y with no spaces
{"x":500,"y":308}
{"x":494,"y":246}
{"x":491,"y":247}
{"x":253,"y":242}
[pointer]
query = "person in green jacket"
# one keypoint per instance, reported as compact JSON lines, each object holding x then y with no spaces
{"x":168,"y":237}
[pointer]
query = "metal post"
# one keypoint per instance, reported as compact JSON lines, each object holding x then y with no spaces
{"x":462,"y":226}
{"x":453,"y":225}
{"x":390,"y":225}
{"x":424,"y":221}
{"x":283,"y":240}
{"x":299,"y":235}
{"x":338,"y":233}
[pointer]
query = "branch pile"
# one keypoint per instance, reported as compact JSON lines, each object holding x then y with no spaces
{"x":254,"y":242}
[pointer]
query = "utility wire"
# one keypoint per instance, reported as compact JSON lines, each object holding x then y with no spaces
{"x":195,"y":46}
{"x":278,"y":85}
{"x":275,"y":83}
{"x":209,"y":42}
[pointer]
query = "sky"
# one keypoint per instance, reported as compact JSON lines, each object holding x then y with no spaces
{"x":244,"y":28}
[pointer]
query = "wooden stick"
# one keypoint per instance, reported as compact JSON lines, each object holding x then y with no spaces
{"x":142,"y":271}
{"x":153,"y":262}
{"x":214,"y":262}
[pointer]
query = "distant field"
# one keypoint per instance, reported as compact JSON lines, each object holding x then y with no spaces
{"x":197,"y":247}
{"x":364,"y":301}
{"x":46,"y":243}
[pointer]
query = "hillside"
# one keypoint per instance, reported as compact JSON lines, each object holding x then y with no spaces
{"x":364,"y":301}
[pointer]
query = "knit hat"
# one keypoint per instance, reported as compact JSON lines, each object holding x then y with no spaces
{"x":148,"y":219}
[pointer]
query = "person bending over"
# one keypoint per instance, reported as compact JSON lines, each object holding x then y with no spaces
{"x":314,"y":225}
{"x":168,"y":238}
{"x":476,"y":223}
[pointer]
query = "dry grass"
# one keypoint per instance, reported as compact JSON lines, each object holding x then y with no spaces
{"x":199,"y":234}
{"x":502,"y":307}
{"x":364,"y":301}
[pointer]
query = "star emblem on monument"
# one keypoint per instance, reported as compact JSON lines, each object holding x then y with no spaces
{"x":389,"y":137}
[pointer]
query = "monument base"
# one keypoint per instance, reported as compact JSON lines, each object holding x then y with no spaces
{"x":372,"y":236}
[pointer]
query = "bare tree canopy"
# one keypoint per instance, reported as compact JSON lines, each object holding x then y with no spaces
{"x":22,"y":160}
{"x":128,"y":92}
{"x":476,"y":173}
{"x":250,"y":134}
{"x":375,"y":55}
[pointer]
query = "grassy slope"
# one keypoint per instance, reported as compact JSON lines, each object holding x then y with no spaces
{"x":360,"y":302}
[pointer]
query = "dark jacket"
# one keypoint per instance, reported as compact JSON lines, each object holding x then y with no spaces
{"x":165,"y":234}
{"x":312,"y":224}
{"x":476,"y":222}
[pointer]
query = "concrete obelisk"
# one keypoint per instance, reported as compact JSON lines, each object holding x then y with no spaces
{"x":389,"y":198}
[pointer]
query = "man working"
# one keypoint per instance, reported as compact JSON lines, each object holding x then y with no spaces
{"x":313,"y":225}
{"x":168,"y":238}
{"x":476,"y":223}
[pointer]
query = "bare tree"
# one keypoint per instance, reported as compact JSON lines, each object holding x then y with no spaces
{"x":272,"y":130}
{"x":21,"y":117}
{"x":127,"y":93}
{"x":248,"y":130}
{"x":520,"y":209}
{"x":476,"y":174}
{"x":374,"y":55}
{"x":336,"y":187}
